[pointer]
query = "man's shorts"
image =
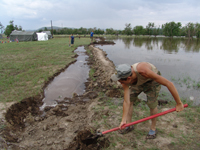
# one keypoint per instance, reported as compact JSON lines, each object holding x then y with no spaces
{"x":91,"y":38}
{"x":151,"y":89}
{"x":72,"y":41}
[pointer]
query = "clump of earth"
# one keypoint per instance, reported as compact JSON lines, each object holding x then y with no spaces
{"x":86,"y":139}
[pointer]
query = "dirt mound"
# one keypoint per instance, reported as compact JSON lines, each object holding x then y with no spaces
{"x":114,"y":93}
{"x":104,"y":68}
{"x":86,"y":140}
{"x":55,"y":128}
{"x":103,"y":42}
{"x":17,"y":112}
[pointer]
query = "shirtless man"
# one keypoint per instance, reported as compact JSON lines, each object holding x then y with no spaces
{"x":142,"y":77}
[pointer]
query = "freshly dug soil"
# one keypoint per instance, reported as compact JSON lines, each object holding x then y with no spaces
{"x":86,"y":140}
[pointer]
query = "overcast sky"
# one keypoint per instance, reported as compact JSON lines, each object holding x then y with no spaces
{"x":33,"y":14}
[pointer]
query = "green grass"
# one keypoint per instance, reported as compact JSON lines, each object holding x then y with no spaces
{"x":186,"y":81}
{"x":24,"y":67}
{"x":92,"y":71}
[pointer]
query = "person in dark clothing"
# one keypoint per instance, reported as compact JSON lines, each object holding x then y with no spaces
{"x":72,"y":40}
{"x":91,"y":36}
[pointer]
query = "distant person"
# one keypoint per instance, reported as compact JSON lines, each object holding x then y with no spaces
{"x":17,"y":40}
{"x":142,"y":77}
{"x":91,"y":36}
{"x":72,"y":40}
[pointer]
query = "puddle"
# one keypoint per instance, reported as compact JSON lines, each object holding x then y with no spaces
{"x":72,"y":80}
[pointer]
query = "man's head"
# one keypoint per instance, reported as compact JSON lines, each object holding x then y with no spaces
{"x":123,"y":72}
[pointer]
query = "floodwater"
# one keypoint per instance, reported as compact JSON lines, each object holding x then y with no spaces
{"x":177,"y":59}
{"x":72,"y":80}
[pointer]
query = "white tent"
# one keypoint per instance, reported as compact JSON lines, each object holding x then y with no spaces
{"x":42,"y":36}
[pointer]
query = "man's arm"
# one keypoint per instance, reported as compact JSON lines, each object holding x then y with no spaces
{"x":145,"y":70}
{"x":126,"y":105}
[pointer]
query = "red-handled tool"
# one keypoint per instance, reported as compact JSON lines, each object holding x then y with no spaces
{"x":141,"y":120}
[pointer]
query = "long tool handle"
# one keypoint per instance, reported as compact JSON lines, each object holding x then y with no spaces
{"x":144,"y":119}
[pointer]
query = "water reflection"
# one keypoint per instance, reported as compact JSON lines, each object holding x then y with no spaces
{"x":127,"y":42}
{"x":167,"y":44}
{"x":170,"y":45}
{"x":137,"y":42}
{"x":177,"y":59}
{"x":192,"y":45}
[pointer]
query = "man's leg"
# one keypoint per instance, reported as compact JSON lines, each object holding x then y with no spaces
{"x":153,"y":121}
{"x":152,"y":91}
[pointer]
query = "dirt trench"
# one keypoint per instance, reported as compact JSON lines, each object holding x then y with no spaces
{"x":65,"y":126}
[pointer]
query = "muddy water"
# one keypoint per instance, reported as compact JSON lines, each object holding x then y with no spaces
{"x":177,"y":59}
{"x":70,"y":81}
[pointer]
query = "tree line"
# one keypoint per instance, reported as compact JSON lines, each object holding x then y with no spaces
{"x":9,"y":28}
{"x":170,"y":29}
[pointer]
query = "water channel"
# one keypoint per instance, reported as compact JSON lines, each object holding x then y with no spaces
{"x":72,"y":80}
{"x":177,"y":59}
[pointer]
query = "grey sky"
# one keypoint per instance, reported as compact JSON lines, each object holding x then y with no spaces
{"x":33,"y":14}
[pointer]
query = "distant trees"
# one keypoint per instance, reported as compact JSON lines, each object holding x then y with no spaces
{"x":149,"y":28}
{"x":139,"y":30}
{"x":110,"y":31}
{"x":11,"y":27}
{"x":156,"y":31}
{"x":99,"y":31}
{"x":168,"y":29}
{"x":171,"y":29}
{"x":128,"y":29}
{"x":190,"y":30}
{"x":197,"y":27}
{"x":80,"y":31}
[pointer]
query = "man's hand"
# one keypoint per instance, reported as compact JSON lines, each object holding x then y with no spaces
{"x":179,"y":107}
{"x":122,"y":124}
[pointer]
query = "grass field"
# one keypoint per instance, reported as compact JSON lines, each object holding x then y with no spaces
{"x":25,"y":66}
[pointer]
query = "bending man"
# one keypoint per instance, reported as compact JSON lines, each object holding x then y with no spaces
{"x":142,"y":77}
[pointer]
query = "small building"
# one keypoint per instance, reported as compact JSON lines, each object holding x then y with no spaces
{"x":23,"y":36}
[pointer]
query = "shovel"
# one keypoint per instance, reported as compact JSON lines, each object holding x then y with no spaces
{"x":136,"y":122}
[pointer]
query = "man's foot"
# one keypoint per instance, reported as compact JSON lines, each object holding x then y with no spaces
{"x":126,"y":130}
{"x":152,"y":134}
